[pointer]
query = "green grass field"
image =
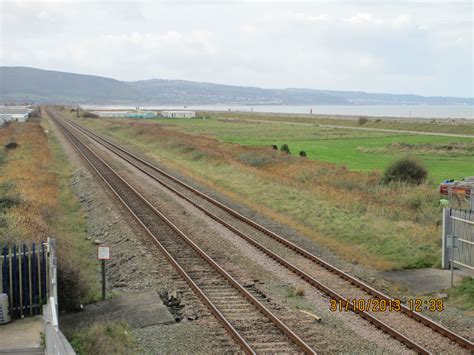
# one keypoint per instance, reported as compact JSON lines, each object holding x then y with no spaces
{"x":364,"y":221}
{"x":334,"y":145}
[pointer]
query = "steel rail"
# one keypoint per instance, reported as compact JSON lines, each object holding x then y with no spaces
{"x":302,"y":274}
{"x":260,"y":307}
{"x":354,"y":281}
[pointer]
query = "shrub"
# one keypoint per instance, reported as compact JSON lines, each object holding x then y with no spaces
{"x":72,"y":288}
{"x":88,"y":114}
{"x":275,"y":147}
{"x":405,"y":170}
{"x":11,"y":145}
{"x":378,"y":120}
{"x":362,"y":120}
{"x":285,"y":148}
{"x":36,"y":113}
{"x":302,"y":153}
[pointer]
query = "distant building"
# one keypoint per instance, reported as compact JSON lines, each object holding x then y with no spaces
{"x":14,"y":113}
{"x":110,"y":113}
{"x":143,"y":114}
{"x":126,"y":114}
{"x":178,"y":114}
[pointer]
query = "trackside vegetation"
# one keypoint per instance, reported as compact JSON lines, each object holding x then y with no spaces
{"x":36,"y":202}
{"x":104,"y":338}
{"x":385,"y":226}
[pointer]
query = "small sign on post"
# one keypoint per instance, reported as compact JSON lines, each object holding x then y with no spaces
{"x":103,"y":254}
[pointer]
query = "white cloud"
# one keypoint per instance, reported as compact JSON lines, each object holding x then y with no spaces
{"x":410,"y":47}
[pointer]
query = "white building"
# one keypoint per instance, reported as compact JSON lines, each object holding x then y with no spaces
{"x":13,"y":113}
{"x":110,"y":113}
{"x":178,"y":114}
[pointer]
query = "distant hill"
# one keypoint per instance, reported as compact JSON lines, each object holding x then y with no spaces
{"x":22,"y":84}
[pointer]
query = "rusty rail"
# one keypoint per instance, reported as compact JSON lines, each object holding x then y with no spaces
{"x":354,"y":281}
{"x":220,"y":317}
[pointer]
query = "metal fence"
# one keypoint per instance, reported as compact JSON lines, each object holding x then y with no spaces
{"x":460,"y":224}
{"x":23,"y":277}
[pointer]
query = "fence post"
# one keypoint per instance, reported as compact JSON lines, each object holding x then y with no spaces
{"x":471,"y":200}
{"x":53,"y":289}
{"x":446,"y":231}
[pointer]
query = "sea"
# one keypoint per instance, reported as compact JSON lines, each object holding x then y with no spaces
{"x":418,"y":111}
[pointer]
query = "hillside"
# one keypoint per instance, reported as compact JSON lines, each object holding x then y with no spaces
{"x":21,"y":84}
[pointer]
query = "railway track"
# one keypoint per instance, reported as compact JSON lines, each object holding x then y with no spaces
{"x":411,"y":328}
{"x":254,"y":328}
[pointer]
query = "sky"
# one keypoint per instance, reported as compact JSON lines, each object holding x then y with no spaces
{"x":397,"y":46}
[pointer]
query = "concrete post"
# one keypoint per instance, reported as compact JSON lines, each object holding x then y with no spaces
{"x":446,"y":231}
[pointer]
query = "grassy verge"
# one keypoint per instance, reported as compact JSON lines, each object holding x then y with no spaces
{"x":386,"y":227}
{"x":462,"y":296}
{"x":69,"y":222}
{"x":34,"y":181}
{"x":104,"y":338}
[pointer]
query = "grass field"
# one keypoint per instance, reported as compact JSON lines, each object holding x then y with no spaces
{"x":340,"y":146}
{"x":348,"y":211}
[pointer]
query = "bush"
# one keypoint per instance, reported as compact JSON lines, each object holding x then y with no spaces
{"x":88,"y":114}
{"x":11,"y":145}
{"x":72,"y":287}
{"x":285,"y":148}
{"x":405,"y":170}
{"x":275,"y":147}
{"x":362,"y":120}
{"x":302,"y":153}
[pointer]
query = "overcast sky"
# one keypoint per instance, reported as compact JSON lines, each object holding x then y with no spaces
{"x":380,"y":46}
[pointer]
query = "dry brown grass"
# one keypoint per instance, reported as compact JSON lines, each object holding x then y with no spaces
{"x":39,"y":176}
{"x":26,"y":168}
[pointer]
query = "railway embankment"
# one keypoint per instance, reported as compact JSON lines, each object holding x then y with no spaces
{"x":441,"y":332}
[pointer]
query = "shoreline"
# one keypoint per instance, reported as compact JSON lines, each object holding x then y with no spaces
{"x":247,"y":110}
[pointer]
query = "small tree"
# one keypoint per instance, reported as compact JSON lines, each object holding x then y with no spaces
{"x":405,"y":170}
{"x":285,"y":148}
{"x":363,"y":120}
{"x":302,"y":153}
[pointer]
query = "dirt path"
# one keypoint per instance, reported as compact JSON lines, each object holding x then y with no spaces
{"x":364,"y":128}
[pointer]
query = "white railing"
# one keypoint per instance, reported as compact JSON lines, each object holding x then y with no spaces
{"x":55,"y":342}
